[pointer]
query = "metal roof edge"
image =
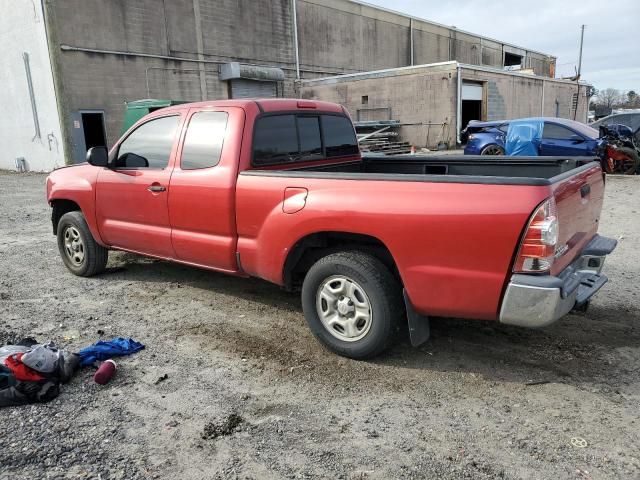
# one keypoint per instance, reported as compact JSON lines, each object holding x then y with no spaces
{"x":484,"y":68}
{"x":389,"y":72}
{"x":374,"y":73}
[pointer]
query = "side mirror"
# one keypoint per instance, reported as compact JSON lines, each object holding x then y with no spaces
{"x":98,"y":156}
{"x":577,"y":139}
{"x":131,"y":160}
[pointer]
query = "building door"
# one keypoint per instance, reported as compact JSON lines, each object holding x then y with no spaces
{"x":87,"y":131}
{"x":243,"y":88}
{"x":472,"y":94}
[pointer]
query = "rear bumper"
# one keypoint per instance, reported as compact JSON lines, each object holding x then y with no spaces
{"x":540,"y":300}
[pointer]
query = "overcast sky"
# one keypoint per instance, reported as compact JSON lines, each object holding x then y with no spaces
{"x":611,"y":53}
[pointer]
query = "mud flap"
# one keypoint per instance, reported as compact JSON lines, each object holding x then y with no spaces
{"x":419,"y":331}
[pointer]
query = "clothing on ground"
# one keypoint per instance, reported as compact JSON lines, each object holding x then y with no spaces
{"x":20,"y":384}
{"x":103,"y":350}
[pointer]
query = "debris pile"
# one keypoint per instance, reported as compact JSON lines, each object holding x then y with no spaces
{"x":381,"y":136}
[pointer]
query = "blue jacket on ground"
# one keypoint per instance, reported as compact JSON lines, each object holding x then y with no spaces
{"x":102,"y":350}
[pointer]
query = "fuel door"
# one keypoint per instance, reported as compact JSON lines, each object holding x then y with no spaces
{"x":295,"y":198}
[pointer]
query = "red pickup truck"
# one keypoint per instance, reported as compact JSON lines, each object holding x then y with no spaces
{"x":277,"y":189}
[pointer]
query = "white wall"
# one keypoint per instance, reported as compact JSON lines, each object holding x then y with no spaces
{"x":22,"y":29}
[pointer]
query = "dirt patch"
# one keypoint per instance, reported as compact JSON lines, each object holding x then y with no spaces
{"x":227,"y":426}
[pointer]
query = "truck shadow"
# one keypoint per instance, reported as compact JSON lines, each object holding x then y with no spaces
{"x":579,"y":350}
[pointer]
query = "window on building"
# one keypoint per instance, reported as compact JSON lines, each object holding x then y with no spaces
{"x":203,"y":141}
{"x":511,"y":59}
{"x":365,"y":100}
{"x":339,"y":136}
{"x":149,"y":145}
{"x":298,"y":138}
{"x":557,"y":132}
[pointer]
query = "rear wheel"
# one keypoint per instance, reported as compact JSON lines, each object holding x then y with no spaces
{"x":492,"y":150}
{"x":81,"y":254}
{"x":352,"y":304}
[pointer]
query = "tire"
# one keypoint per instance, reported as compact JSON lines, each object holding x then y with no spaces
{"x":492,"y":149}
{"x":630,"y":166}
{"x":342,"y":287}
{"x":81,"y":254}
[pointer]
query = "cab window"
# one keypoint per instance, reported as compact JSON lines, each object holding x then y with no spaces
{"x":291,"y":138}
{"x":203,"y":140}
{"x":149,"y":145}
{"x":339,"y":136}
{"x":275,"y":140}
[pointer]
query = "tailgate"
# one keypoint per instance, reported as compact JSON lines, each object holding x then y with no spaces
{"x":579,"y":203}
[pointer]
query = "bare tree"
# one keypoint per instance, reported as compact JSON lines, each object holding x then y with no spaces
{"x":609,"y":97}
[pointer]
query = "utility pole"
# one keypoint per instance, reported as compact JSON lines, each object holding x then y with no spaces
{"x":575,"y":112}
{"x":580,"y":55}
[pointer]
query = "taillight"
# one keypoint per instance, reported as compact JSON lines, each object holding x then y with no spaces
{"x":538,"y":246}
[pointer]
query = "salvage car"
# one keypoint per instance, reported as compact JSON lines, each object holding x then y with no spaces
{"x":277,"y":189}
{"x":559,"y":137}
{"x":629,"y":119}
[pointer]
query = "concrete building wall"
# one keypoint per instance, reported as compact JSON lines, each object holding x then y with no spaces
{"x":106,"y":52}
{"x":216,"y":31}
{"x":515,"y":96}
{"x":558,"y":101}
{"x":337,"y":36}
{"x":342,"y":36}
{"x":425,"y":97}
{"x":22,"y":30}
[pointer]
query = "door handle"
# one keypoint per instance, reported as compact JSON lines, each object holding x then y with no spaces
{"x":585,"y":190}
{"x":156,"y":188}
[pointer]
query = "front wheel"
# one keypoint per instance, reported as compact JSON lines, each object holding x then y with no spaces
{"x":81,"y":254}
{"x":626,"y":161}
{"x":352,"y":304}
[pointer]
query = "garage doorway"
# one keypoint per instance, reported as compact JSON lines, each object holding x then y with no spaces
{"x":245,"y":88}
{"x":88,"y":131}
{"x":472,"y":98}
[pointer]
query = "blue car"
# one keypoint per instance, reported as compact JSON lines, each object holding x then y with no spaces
{"x":560,"y":137}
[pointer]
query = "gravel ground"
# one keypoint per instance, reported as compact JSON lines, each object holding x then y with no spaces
{"x":249,"y":393}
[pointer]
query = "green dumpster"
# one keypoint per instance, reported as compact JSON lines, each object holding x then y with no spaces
{"x":137,"y":109}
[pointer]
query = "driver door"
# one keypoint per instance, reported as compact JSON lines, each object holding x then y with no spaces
{"x":558,"y":140}
{"x":131,"y":196}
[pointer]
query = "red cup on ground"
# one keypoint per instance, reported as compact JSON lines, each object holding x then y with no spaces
{"x":105,"y":372}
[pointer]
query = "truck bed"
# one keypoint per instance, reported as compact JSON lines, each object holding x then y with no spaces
{"x":453,"y":223}
{"x":445,"y":168}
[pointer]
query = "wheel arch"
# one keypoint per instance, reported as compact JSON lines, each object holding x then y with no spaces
{"x":310,"y":248}
{"x":60,"y":206}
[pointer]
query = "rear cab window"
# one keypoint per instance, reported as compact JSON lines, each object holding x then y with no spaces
{"x":301,"y":137}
